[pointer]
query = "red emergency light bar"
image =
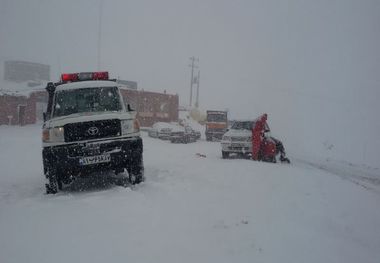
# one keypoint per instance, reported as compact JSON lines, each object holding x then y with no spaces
{"x":73,"y":77}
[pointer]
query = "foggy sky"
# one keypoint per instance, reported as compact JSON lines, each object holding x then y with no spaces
{"x":292,"y":59}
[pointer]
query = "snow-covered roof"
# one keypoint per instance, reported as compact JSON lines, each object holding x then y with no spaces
{"x":20,"y":88}
{"x":163,"y":125}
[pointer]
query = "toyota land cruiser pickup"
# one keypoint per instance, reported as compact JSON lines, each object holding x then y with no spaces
{"x":87,"y":127}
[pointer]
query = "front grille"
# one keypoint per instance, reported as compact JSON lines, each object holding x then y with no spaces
{"x":92,"y":130}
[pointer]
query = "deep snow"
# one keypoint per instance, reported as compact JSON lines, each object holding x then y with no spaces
{"x":190,"y":209}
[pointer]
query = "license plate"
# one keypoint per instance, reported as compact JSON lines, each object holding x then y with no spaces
{"x":104,"y":158}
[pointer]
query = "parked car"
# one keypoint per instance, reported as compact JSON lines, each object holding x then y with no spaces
{"x":161,"y":130}
{"x":185,"y":134}
{"x":179,"y":135}
{"x":193,"y":133}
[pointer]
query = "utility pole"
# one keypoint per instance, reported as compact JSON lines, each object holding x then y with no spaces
{"x":197,"y":99}
{"x":192,"y":65}
{"x":100,"y":31}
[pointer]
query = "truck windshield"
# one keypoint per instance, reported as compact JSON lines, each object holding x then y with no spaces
{"x":86,"y":100}
{"x":216,"y":117}
{"x":242,"y":125}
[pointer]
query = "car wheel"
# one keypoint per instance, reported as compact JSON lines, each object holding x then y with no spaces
{"x":225,"y":155}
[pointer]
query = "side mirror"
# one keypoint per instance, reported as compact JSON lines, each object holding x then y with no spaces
{"x":50,"y":87}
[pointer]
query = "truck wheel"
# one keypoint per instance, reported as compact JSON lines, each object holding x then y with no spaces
{"x":123,"y":181}
{"x":59,"y":183}
{"x":52,"y":185}
{"x":225,"y":155}
{"x":136,"y":170}
{"x":136,"y":178}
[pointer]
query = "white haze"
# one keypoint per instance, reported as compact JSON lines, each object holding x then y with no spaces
{"x":313,"y":66}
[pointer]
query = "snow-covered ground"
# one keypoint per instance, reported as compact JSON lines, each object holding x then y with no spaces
{"x":189,"y":209}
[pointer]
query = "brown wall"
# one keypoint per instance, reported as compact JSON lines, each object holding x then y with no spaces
{"x":21,"y":109}
{"x":152,"y":107}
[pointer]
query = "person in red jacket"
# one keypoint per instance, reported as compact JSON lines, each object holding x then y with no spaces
{"x":257,"y":136}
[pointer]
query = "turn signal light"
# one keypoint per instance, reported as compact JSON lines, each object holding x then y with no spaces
{"x":45,"y":135}
{"x":136,"y":125}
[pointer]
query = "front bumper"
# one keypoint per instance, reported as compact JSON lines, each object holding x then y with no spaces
{"x":242,"y":147}
{"x":68,"y":158}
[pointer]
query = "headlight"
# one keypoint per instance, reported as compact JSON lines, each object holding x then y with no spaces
{"x":55,"y":134}
{"x":130,"y":126}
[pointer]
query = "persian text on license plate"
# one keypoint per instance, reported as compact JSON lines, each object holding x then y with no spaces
{"x":105,"y":158}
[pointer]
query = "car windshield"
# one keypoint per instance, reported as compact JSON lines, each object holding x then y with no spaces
{"x":86,"y":100}
{"x":242,"y":125}
{"x":217,"y":117}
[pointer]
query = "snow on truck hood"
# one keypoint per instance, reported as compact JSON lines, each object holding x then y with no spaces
{"x":88,"y":116}
{"x":238,"y":133}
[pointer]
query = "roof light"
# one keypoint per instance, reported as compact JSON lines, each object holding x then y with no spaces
{"x":100,"y":75}
{"x":69,"y":77}
{"x":72,"y":77}
{"x":85,"y":76}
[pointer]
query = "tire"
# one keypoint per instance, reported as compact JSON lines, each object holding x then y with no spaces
{"x":225,"y":155}
{"x":123,"y":181}
{"x":136,"y":170}
{"x":269,"y":159}
{"x":136,"y":179}
{"x":59,"y":183}
{"x":52,"y":185}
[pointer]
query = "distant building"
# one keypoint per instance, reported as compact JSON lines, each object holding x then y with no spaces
{"x":22,"y":94}
{"x":22,"y":109}
{"x":128,"y":83}
{"x":152,"y":107}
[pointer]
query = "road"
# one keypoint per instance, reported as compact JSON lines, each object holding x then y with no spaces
{"x":189,"y":209}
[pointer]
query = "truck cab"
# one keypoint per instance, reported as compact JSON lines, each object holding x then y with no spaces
{"x":88,"y":127}
{"x":216,"y":125}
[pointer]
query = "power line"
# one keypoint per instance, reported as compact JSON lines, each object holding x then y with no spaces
{"x":100,"y":31}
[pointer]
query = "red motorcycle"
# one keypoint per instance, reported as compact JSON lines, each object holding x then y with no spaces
{"x":266,"y":148}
